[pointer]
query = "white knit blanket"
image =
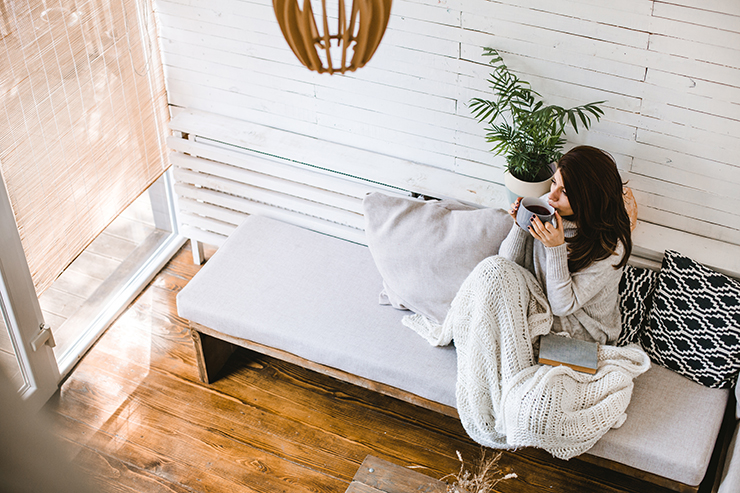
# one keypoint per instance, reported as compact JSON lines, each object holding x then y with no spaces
{"x":506,"y":400}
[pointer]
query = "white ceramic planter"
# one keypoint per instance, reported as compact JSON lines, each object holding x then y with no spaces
{"x":519,"y":188}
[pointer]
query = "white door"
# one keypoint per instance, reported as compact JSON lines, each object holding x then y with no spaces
{"x":38,"y":375}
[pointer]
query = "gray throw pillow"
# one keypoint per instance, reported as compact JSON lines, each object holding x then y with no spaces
{"x":424,"y":250}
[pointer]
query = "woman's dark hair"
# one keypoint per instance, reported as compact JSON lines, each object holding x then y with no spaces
{"x":595,"y":192}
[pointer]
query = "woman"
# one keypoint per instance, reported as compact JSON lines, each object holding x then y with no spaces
{"x":579,"y":261}
{"x":506,"y":400}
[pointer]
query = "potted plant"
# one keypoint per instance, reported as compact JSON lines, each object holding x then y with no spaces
{"x":524,"y":129}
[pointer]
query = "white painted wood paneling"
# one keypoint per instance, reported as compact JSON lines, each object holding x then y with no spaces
{"x":669,"y":72}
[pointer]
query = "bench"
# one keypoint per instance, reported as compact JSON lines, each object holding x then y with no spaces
{"x":228,"y":169}
{"x":312,"y":299}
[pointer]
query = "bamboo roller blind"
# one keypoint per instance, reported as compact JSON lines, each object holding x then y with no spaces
{"x":84,"y":120}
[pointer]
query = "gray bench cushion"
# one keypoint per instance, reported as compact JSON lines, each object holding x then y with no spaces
{"x":672,"y":425}
{"x":317,"y":297}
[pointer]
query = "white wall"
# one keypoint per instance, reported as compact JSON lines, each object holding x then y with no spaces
{"x":670,"y":73}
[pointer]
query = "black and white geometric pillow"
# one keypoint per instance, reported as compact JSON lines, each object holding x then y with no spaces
{"x":695,"y":323}
{"x":635,"y":297}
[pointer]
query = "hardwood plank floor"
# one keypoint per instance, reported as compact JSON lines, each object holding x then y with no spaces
{"x":138,"y":419}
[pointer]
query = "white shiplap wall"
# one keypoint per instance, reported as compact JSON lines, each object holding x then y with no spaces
{"x":670,"y":72}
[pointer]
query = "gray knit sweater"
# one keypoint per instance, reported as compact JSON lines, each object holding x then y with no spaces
{"x":584,"y":304}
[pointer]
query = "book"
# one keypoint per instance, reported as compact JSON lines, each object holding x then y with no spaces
{"x":574,"y":353}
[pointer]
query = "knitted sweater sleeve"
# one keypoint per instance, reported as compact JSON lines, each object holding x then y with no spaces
{"x":568,"y":292}
{"x":514,"y":246}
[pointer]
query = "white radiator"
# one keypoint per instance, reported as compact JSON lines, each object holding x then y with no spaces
{"x":219,"y":184}
{"x":226,"y":169}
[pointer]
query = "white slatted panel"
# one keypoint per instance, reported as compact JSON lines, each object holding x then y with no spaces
{"x":669,"y":71}
{"x":315,"y":184}
{"x":217,"y":185}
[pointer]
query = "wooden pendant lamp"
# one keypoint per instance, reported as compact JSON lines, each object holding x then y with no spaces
{"x":359,"y":33}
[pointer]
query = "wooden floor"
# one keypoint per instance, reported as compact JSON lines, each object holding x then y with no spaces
{"x":137,"y":419}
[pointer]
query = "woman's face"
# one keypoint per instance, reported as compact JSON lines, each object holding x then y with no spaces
{"x":558,"y":197}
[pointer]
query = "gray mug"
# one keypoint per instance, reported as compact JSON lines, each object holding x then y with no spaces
{"x":533,"y":206}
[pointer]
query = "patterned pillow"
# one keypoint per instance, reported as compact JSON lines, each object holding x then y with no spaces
{"x":635,"y":297}
{"x":695,"y":323}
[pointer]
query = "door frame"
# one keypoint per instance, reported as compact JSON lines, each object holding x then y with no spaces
{"x":31,"y":340}
{"x":132,"y":276}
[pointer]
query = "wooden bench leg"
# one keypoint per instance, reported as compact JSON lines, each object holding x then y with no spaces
{"x":211,"y":353}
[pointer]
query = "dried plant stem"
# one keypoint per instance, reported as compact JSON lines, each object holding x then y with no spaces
{"x":486,"y":476}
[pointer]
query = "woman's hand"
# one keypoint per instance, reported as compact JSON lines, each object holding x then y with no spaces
{"x":549,"y":235}
{"x":515,"y":208}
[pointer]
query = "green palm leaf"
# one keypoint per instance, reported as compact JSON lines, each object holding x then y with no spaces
{"x":528,"y":132}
